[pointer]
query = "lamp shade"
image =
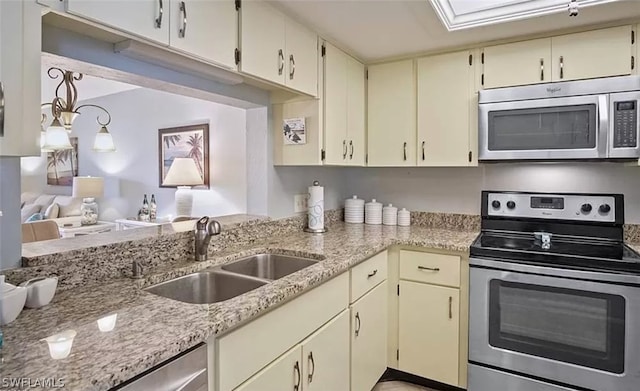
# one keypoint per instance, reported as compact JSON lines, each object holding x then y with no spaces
{"x":56,"y":137}
{"x":88,"y":187}
{"x":104,"y":141}
{"x":183,"y":172}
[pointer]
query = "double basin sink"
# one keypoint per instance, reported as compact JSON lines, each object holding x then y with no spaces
{"x":233,"y":279}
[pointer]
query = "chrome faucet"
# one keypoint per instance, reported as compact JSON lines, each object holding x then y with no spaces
{"x":136,"y":270}
{"x":205,"y":228}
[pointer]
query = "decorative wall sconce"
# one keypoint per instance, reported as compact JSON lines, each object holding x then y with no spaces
{"x":65,"y":111}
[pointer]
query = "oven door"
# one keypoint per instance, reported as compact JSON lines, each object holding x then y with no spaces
{"x":546,"y":323}
{"x":544,"y":129}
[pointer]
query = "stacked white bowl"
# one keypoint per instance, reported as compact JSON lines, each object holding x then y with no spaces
{"x":354,"y":210}
{"x":373,"y":212}
{"x":404,"y":217}
{"x":390,"y":215}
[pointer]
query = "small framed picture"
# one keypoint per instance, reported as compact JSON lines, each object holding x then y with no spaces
{"x":184,"y":142}
{"x":294,"y":131}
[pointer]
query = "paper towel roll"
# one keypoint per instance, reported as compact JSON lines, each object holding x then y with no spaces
{"x":316,"y":206}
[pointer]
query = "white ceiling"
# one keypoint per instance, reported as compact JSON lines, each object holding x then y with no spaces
{"x":378,"y":29}
{"x":88,"y":88}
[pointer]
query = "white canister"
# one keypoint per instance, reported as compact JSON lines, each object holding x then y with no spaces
{"x":373,"y":212}
{"x":404,"y":217}
{"x":354,"y":210}
{"x":390,"y":215}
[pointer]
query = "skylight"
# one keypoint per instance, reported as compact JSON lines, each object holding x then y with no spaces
{"x":463,"y":14}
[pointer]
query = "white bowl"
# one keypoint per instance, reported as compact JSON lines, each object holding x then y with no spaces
{"x":11,"y":304}
{"x":40,"y":291}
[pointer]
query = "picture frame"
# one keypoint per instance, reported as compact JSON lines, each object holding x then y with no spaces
{"x":62,"y":165}
{"x":183,"y":142}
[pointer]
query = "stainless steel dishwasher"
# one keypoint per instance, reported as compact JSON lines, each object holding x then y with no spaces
{"x":185,"y":372}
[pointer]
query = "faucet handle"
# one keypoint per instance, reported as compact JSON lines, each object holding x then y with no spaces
{"x":214,"y":227}
{"x":202,"y":223}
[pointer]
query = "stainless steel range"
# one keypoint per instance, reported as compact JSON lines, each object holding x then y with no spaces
{"x":554,"y":295}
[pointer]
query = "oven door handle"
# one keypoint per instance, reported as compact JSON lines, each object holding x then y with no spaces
{"x":605,"y":138}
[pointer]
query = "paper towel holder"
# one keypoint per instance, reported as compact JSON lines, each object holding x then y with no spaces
{"x":312,"y":230}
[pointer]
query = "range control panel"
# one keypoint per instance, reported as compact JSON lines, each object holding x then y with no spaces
{"x":550,"y":206}
{"x":625,"y":124}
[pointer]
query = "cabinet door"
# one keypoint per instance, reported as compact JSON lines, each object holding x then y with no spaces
{"x":335,"y":105}
{"x":325,"y":356}
{"x":211,"y":31}
{"x":369,"y":338}
{"x":444,"y":119}
{"x":282,"y":374}
{"x":429,"y":331}
{"x":145,"y":18}
{"x":597,"y":53}
{"x":20,"y":74}
{"x":355,"y":112}
{"x":392,"y":114}
{"x":518,"y":63}
{"x":301,"y":58}
{"x":262,"y":31}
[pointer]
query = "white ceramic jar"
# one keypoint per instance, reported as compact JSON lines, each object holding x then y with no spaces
{"x":354,"y":210}
{"x":404,"y":217}
{"x":373,"y":212}
{"x":390,"y":215}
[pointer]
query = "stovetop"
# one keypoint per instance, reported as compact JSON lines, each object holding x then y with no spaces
{"x":565,"y":251}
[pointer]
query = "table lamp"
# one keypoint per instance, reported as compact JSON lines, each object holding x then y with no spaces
{"x":88,"y":188}
{"x":183,"y":173}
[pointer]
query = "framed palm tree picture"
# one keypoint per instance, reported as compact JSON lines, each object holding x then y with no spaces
{"x":62,"y":165}
{"x":184,"y":142}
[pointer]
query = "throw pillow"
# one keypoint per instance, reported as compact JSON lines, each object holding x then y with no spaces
{"x":35,"y":217}
{"x":44,"y":200}
{"x":28,"y":210}
{"x":52,"y":211}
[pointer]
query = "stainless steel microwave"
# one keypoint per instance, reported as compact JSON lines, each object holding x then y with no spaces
{"x":587,"y":119}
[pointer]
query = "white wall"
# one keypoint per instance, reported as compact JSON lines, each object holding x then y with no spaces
{"x":137,"y":116}
{"x":457,"y":190}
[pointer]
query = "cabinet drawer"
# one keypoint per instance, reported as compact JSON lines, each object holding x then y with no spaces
{"x":245,"y":351}
{"x":367,"y":275}
{"x":430,"y":268}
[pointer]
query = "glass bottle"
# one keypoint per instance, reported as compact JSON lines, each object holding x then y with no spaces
{"x":153,"y":209}
{"x":145,"y":209}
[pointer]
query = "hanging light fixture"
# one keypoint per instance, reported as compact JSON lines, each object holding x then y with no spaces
{"x":65,"y":111}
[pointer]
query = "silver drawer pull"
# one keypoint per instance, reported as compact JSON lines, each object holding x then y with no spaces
{"x":373,"y":273}
{"x":160,"y":12}
{"x":1,"y":110}
{"x":183,"y":30}
{"x":432,"y":269}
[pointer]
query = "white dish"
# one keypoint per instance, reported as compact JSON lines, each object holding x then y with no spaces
{"x":11,"y":304}
{"x":40,"y":291}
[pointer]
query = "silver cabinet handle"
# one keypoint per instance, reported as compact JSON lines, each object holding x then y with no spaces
{"x":561,"y":67}
{"x":542,"y":69}
{"x":373,"y":273}
{"x":1,"y":109}
{"x":432,"y":269}
{"x":160,"y":12}
{"x":296,"y":370}
{"x":351,"y":154}
{"x":312,"y":364}
{"x":423,"y":143}
{"x":292,"y":64}
{"x":183,"y":29}
{"x":357,"y":324}
{"x":344,"y":149}
{"x":405,"y":151}
{"x":450,"y":309}
{"x":280,"y":62}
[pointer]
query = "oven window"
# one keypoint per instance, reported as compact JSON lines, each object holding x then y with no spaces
{"x":572,"y":326}
{"x":563,"y":127}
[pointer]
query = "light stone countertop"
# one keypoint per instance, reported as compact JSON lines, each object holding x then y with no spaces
{"x":151,"y":329}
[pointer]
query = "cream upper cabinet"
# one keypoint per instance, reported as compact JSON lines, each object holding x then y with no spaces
{"x":285,"y":373}
{"x":344,"y":109}
{"x":591,"y":54}
{"x":391,"y":129}
{"x":369,"y":338}
{"x":206,"y":29}
{"x":444,"y":118}
{"x":20,"y":74}
{"x":301,"y":58}
{"x":325,"y":357}
{"x":277,"y":49}
{"x":518,"y":63}
{"x":145,"y":18}
{"x":428,"y":328}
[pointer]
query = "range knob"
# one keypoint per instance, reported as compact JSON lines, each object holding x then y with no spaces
{"x":495,"y":204}
{"x":586,"y":208}
{"x":511,"y":204}
{"x":605,"y":208}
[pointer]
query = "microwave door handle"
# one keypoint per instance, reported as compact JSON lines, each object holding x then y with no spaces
{"x":604,"y":137}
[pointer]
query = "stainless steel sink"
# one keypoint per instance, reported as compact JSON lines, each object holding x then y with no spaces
{"x":209,"y":286}
{"x":268,"y":266}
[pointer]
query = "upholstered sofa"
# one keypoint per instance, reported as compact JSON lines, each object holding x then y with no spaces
{"x":50,"y":206}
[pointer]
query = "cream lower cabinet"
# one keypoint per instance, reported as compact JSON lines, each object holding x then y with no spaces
{"x":369,"y":338}
{"x":319,"y":363}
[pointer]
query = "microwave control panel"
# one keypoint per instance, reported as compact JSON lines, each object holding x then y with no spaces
{"x":625,"y":124}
